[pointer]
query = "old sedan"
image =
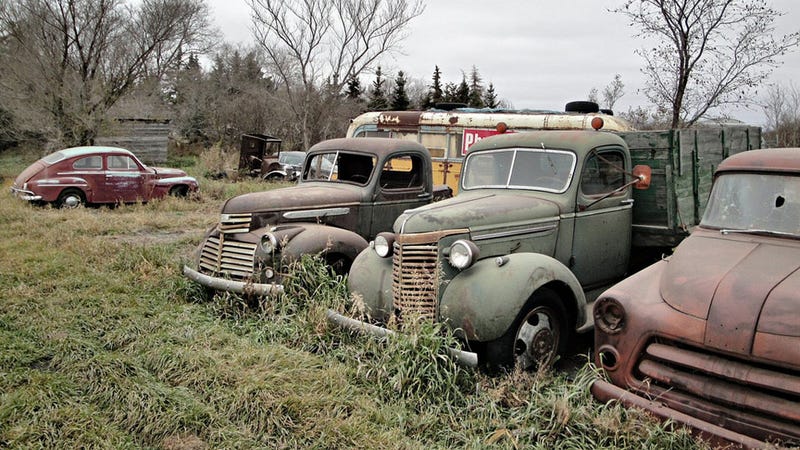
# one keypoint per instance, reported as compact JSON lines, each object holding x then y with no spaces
{"x":95,"y":175}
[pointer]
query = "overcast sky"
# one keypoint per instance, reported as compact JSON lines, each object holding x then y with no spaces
{"x":538,"y":55}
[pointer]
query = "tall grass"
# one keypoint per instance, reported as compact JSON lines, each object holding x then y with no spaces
{"x":103,"y":344}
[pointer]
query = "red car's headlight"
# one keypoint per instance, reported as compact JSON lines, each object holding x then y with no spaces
{"x":609,"y":315}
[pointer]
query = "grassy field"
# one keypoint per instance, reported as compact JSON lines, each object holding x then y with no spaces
{"x":103,"y":344}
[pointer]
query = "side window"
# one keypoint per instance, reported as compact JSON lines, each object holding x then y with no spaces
{"x":603,"y":172}
{"x":121,"y":162}
{"x":355,"y":168}
{"x":89,"y":162}
{"x":402,"y":172}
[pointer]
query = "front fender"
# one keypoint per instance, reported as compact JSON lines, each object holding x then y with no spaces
{"x":370,"y":280}
{"x":316,"y":238}
{"x":483,"y":301}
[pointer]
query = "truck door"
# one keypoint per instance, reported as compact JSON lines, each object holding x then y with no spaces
{"x":403,"y":184}
{"x":602,"y":240}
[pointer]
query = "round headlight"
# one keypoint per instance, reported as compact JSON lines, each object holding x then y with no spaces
{"x":383,"y":244}
{"x":462,"y":254}
{"x":609,"y":315}
{"x":269,"y":243}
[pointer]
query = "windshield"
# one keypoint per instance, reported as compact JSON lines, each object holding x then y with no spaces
{"x":520,"y":168}
{"x":755,"y":202}
{"x":54,"y":157}
{"x":293,"y":158}
{"x":339,"y":166}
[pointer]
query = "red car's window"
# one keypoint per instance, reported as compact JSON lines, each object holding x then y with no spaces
{"x":121,"y":162}
{"x":89,"y":162}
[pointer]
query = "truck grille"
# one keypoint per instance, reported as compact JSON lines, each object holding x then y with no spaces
{"x":415,"y":279}
{"x":762,"y":401}
{"x":235,"y":223}
{"x":227,"y":257}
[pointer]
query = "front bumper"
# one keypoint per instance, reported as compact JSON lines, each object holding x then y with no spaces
{"x":465,"y":358}
{"x":25,"y":195}
{"x":605,"y":392}
{"x":239,"y":287}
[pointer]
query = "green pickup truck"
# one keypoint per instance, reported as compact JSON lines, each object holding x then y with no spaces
{"x":544,"y":221}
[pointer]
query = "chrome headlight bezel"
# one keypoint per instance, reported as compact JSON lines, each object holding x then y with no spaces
{"x":269,"y":243}
{"x":383,"y":244}
{"x":462,"y":254}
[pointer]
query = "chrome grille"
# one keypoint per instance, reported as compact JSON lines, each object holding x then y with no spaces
{"x":415,"y":279}
{"x":227,"y":257}
{"x":235,"y":223}
{"x":763,"y":400}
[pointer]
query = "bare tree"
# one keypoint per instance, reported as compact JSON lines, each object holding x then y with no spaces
{"x":613,"y":92}
{"x":781,"y":106}
{"x":315,"y":46}
{"x":708,"y":53}
{"x":67,"y":62}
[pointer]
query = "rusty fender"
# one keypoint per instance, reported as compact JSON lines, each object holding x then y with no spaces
{"x":316,"y":238}
{"x":483,"y":301}
{"x":370,"y":280}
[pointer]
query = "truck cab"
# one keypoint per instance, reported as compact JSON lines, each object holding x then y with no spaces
{"x":541,"y":224}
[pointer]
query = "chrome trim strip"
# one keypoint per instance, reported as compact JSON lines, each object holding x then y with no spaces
{"x":539,"y":229}
{"x":313,"y":213}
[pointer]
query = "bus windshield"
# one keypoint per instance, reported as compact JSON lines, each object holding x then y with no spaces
{"x":519,"y":168}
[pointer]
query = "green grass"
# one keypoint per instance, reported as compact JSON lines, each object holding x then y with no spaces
{"x":103,"y":344}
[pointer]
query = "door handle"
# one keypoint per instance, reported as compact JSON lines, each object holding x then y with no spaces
{"x":628,"y":201}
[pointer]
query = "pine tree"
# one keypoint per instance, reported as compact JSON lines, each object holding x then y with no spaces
{"x":354,"y":90}
{"x":377,"y":98}
{"x":490,"y":98}
{"x":399,"y":96}
{"x":435,"y":93}
{"x":462,"y":91}
{"x":475,"y":89}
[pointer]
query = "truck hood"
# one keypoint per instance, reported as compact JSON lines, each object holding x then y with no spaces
{"x":478,"y":210}
{"x":741,"y":285}
{"x":302,"y":196}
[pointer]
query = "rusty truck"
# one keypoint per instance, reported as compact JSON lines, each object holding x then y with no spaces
{"x":544,"y":221}
{"x":710,"y":337}
{"x":348,"y":191}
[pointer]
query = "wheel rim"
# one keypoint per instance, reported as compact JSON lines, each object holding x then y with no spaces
{"x":71,"y":201}
{"x":536,"y":343}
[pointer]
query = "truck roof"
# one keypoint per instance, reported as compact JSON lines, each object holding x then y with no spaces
{"x":578,"y":141}
{"x":786,"y":160}
{"x":378,"y":146}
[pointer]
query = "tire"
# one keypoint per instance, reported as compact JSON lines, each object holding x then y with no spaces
{"x":274,"y":177}
{"x":582,"y":107}
{"x":71,"y":198}
{"x":535,"y":339}
{"x":179,"y":191}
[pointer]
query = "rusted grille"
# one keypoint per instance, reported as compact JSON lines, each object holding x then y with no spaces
{"x":235,"y":223}
{"x":762,"y":399}
{"x":415,"y":279}
{"x":226,"y":257}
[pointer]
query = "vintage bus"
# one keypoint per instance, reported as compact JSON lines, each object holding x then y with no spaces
{"x":447,"y":134}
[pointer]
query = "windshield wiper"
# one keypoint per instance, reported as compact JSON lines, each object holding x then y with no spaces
{"x":758,"y":231}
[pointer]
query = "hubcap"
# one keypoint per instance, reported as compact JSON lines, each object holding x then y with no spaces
{"x":536,"y":344}
{"x":72,"y":201}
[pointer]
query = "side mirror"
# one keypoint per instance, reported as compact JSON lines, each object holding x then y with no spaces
{"x":644,"y":174}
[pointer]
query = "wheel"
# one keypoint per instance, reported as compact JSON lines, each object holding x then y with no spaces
{"x":582,"y":107}
{"x":71,"y":198}
{"x":179,"y":191}
{"x":273,"y":177}
{"x":535,"y":339}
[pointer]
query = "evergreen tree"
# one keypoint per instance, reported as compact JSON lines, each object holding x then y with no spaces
{"x":354,"y":90}
{"x":377,"y":98}
{"x":475,"y":89}
{"x":399,"y":96}
{"x":462,"y":91}
{"x":490,"y":98}
{"x":435,"y":93}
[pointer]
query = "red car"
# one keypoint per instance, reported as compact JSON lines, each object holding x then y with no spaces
{"x":710,"y":336}
{"x":94,"y":175}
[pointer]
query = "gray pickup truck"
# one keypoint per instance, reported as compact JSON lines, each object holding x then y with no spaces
{"x":348,"y":191}
{"x":544,"y":221}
